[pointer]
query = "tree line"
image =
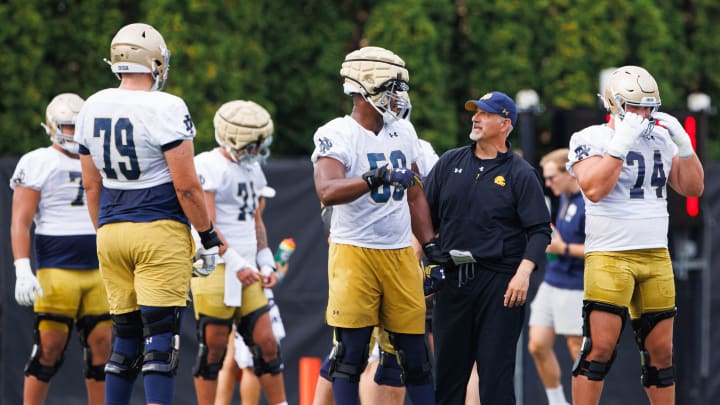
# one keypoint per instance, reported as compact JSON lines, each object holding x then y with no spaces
{"x":286,"y":55}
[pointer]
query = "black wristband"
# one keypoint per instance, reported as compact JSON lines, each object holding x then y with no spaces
{"x":209,"y":238}
{"x":567,"y":249}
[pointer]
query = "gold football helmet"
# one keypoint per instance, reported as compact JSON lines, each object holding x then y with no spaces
{"x":62,"y":110}
{"x":140,"y":48}
{"x":630,"y":85}
{"x":242,"y":127}
{"x":378,"y":75}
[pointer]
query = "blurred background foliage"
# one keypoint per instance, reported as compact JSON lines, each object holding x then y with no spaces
{"x":286,"y":55}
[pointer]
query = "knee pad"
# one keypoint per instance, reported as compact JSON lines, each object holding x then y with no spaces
{"x":85,"y":326}
{"x":413,"y":357}
{"x":642,"y":326}
{"x":260,"y":366}
{"x":202,"y":368}
{"x":161,"y":330}
{"x":33,"y":366}
{"x":388,"y":370}
{"x":349,"y":355}
{"x":325,"y":369}
{"x":592,"y":369}
{"x":127,"y":328}
{"x":247,"y":325}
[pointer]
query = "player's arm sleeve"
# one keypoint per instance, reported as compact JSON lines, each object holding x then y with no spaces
{"x":175,"y":124}
{"x":331,"y":142}
{"x":30,"y":172}
{"x":582,"y":146}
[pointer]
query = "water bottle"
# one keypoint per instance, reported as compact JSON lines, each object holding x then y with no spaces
{"x":285,"y":250}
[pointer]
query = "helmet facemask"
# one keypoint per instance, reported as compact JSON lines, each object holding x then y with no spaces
{"x":387,"y":102}
{"x":249,"y":153}
{"x":264,"y":152}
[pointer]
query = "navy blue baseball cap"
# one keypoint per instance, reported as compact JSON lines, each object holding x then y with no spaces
{"x":495,"y":102}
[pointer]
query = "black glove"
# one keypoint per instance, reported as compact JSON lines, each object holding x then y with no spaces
{"x":434,"y":254}
{"x":209,"y":238}
{"x":376,"y":177}
{"x":434,"y":279}
{"x":384,"y":175}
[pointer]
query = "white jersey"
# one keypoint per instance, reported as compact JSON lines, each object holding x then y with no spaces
{"x":125,"y":132}
{"x":379,"y":219}
{"x":634,"y":214}
{"x":61,"y":210}
{"x":237,"y":194}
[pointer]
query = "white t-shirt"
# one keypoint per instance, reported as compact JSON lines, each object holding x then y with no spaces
{"x":379,"y":219}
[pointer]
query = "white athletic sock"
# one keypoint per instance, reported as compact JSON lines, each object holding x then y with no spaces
{"x":556,"y":396}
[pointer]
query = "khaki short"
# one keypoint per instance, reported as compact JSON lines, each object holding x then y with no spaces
{"x":640,"y":280}
{"x":146,"y":263}
{"x":369,"y":287}
{"x":70,"y":293}
{"x":209,"y":292}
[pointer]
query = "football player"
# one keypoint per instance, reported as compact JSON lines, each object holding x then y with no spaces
{"x":365,"y":168}
{"x":143,"y":193}
{"x":623,"y":169}
{"x":233,"y":179}
{"x":68,"y":290}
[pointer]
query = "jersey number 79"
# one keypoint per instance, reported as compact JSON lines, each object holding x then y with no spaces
{"x":121,"y":135}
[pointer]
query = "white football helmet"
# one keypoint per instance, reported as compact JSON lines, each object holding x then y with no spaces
{"x":378,"y":75}
{"x":140,"y":48}
{"x":631,"y":85}
{"x":63,"y":110}
{"x":242,"y":127}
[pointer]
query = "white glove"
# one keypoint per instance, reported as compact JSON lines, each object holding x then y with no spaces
{"x":265,"y":261}
{"x":627,"y":131}
{"x":205,"y":261}
{"x":677,"y":133}
{"x":26,"y":284}
{"x":235,"y":263}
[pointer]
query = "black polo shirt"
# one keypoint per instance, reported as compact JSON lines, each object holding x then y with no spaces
{"x":495,"y":208}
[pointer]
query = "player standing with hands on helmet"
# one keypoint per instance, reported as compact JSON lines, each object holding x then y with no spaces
{"x":623,"y":169}
{"x":48,"y":191}
{"x":143,"y":193}
{"x":365,"y":168}
{"x":233,"y":179}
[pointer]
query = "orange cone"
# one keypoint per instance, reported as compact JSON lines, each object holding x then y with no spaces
{"x":308,"y":372}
